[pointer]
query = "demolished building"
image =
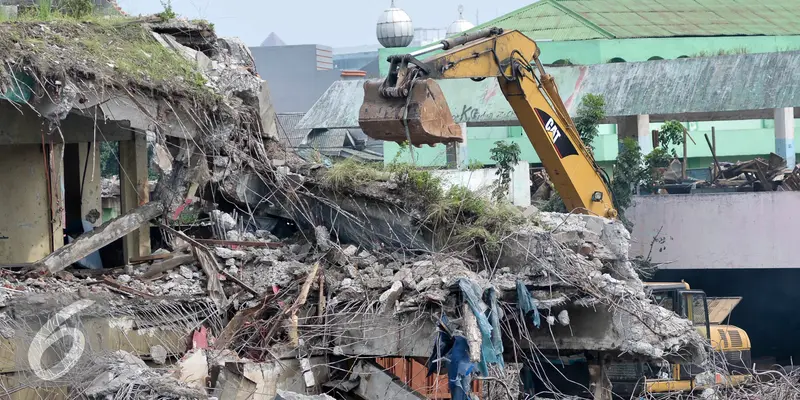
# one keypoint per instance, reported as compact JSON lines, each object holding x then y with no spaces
{"x":367,"y":263}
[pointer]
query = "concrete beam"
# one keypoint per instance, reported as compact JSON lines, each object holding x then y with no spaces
{"x":721,"y":85}
{"x":24,"y":126}
{"x":636,"y":127}
{"x":784,"y":135}
{"x":134,"y":191}
{"x":379,"y":336}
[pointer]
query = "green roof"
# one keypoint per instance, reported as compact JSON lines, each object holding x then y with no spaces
{"x":623,"y":19}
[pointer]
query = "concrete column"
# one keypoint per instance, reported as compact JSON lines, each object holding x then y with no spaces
{"x":520,"y":190}
{"x":456,"y":153}
{"x":29,"y":228}
{"x":91,"y":203}
{"x":134,"y":191}
{"x":784,"y":135}
{"x":58,"y":208}
{"x":636,"y":127}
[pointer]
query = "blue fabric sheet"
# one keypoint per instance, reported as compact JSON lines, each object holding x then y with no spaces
{"x":489,"y":353}
{"x":527,"y":304}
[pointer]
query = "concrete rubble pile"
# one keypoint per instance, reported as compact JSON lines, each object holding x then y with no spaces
{"x":258,"y":313}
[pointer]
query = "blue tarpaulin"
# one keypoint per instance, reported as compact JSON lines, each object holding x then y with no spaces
{"x":527,"y":303}
{"x":19,"y":90}
{"x":489,"y":354}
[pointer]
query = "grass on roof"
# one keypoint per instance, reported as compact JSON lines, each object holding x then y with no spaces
{"x":112,"y":49}
{"x":458,"y":215}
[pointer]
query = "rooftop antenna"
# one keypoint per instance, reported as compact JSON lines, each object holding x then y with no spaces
{"x":477,"y":17}
{"x":392,"y":3}
{"x":461,"y":11}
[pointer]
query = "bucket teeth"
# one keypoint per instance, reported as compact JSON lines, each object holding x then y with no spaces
{"x":429,"y":118}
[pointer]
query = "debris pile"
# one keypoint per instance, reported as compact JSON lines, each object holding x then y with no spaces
{"x":756,"y":175}
{"x":376,"y":263}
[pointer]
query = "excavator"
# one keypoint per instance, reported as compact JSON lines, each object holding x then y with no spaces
{"x":409,"y":106}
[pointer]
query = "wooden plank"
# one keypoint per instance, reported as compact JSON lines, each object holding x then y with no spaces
{"x":92,"y":241}
{"x":762,"y":176}
{"x":165,"y":266}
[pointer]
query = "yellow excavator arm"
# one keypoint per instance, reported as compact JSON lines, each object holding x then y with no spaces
{"x":409,"y":106}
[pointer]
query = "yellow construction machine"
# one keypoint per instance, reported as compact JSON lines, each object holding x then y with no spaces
{"x":709,"y":315}
{"x":409,"y":106}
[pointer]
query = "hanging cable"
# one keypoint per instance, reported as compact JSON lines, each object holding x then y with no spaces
{"x":405,"y":117}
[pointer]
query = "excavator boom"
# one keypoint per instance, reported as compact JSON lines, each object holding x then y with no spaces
{"x":409,"y":106}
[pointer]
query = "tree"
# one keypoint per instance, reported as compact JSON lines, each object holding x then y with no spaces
{"x":628,"y":173}
{"x":657,"y":159}
{"x":590,"y":112}
{"x":507,"y":157}
{"x":109,"y":159}
{"x":671,"y":134}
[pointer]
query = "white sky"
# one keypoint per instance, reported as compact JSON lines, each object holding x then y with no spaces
{"x":327,"y":22}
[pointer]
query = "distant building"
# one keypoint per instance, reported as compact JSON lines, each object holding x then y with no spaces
{"x":297,"y":75}
{"x":272,"y":40}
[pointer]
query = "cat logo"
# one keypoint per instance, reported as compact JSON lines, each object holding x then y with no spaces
{"x":563,"y":145}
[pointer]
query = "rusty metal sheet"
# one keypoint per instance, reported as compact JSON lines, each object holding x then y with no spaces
{"x":709,"y":88}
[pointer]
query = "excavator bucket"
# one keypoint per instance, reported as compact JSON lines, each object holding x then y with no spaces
{"x":429,"y":119}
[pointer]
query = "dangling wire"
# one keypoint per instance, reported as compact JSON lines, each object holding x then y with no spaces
{"x":405,"y":117}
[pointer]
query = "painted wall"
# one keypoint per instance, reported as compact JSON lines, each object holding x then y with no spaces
{"x":482,"y":180}
{"x":735,"y":139}
{"x":709,"y":231}
{"x":24,"y":209}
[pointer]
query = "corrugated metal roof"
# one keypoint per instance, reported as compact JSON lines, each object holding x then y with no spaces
{"x":711,"y":86}
{"x":598,"y":19}
{"x":288,"y":133}
{"x":327,"y":141}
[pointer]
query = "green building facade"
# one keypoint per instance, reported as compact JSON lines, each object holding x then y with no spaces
{"x":585,"y":32}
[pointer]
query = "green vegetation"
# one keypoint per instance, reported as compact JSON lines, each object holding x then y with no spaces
{"x":722,"y":52}
{"x":457,"y":216}
{"x":475,"y":165}
{"x":109,"y":159}
{"x":669,"y":135}
{"x":168,"y":12}
{"x":114,"y":50}
{"x":654,"y":162}
{"x":506,"y":157}
{"x":348,"y":174}
{"x":628,"y":174}
{"x":77,"y":8}
{"x":590,"y":112}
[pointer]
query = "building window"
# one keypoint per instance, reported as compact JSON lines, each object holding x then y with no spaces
{"x":514,"y":131}
{"x":655,"y":58}
{"x":562,"y":62}
{"x":616,"y":60}
{"x":683,"y":57}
